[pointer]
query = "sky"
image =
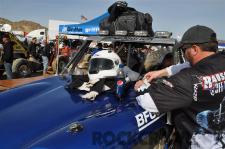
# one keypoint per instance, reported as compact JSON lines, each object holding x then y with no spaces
{"x":175,"y":16}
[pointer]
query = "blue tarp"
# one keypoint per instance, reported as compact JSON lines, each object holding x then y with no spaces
{"x":88,"y":28}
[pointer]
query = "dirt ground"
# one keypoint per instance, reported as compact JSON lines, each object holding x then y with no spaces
{"x":7,"y":84}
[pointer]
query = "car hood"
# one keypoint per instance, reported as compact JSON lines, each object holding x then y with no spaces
{"x":40,"y":115}
{"x":34,"y":110}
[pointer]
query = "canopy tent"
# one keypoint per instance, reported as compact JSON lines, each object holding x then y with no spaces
{"x":88,"y":28}
{"x":221,"y":45}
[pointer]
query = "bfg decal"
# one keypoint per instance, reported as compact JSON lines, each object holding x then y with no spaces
{"x":145,"y":119}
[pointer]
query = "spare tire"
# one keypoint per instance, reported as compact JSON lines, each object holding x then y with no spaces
{"x":21,"y":68}
{"x":54,"y":63}
{"x":63,"y":61}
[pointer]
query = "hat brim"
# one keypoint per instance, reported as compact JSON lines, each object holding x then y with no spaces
{"x":178,"y":45}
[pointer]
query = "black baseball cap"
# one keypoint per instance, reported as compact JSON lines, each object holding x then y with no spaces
{"x":198,"y":34}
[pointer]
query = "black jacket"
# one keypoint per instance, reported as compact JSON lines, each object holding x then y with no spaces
{"x":46,"y":50}
{"x":8,"y":52}
{"x":192,"y":90}
{"x":33,"y":49}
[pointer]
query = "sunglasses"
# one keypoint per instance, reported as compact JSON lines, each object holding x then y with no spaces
{"x":185,"y":47}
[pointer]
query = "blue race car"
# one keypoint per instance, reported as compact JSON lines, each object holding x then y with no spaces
{"x":46,"y":115}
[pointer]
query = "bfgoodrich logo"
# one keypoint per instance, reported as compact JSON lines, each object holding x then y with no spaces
{"x":145,"y":119}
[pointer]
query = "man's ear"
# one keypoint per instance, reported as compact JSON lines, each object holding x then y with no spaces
{"x":195,"y":50}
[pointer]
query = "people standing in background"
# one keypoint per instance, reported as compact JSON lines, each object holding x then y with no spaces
{"x":65,"y":51}
{"x":7,"y":55}
{"x":33,"y":48}
{"x":1,"y":52}
{"x":46,"y":51}
{"x":25,"y":42}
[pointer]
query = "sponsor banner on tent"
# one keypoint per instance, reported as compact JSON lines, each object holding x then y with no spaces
{"x":88,"y":28}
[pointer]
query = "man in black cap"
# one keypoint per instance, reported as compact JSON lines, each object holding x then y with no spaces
{"x":7,"y":55}
{"x":192,"y":90}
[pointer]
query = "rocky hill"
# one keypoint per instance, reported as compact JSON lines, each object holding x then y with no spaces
{"x":23,"y":25}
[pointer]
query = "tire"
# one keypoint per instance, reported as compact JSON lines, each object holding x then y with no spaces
{"x":63,"y":60}
{"x":54,"y":65}
{"x":35,"y":64}
{"x":21,"y":68}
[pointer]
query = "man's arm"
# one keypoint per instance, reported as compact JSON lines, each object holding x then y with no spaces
{"x":174,"y":69}
{"x":166,"y":72}
{"x":167,"y":95}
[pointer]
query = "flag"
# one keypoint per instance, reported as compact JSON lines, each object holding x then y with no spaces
{"x":83,"y":18}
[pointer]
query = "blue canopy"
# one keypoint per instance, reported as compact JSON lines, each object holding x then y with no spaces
{"x":88,"y":28}
{"x":221,"y":45}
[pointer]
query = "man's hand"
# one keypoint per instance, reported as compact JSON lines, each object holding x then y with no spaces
{"x":138,"y":84}
{"x":150,"y":76}
{"x":155,"y":74}
{"x":141,"y":85}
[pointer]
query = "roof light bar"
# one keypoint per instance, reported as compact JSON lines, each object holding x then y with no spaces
{"x":141,"y":33}
{"x":103,"y":32}
{"x":163,"y":34}
{"x":121,"y":32}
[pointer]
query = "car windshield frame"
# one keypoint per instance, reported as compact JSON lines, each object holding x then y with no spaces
{"x":69,"y":68}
